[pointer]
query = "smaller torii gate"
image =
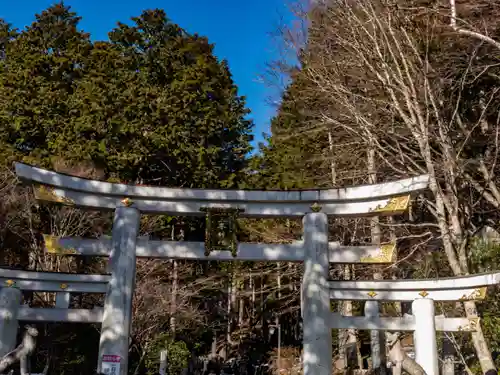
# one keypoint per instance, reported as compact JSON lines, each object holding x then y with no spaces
{"x":422,"y":321}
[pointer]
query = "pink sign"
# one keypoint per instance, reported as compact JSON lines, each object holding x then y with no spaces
{"x":111,"y":364}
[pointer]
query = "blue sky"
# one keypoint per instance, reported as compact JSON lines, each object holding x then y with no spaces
{"x":239,"y":28}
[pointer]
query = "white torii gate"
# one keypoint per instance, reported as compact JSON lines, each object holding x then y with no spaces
{"x":422,"y":321}
{"x":129,"y":202}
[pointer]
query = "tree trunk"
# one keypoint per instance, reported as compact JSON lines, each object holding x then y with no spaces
{"x":479,"y":341}
{"x":460,"y":268}
{"x":252,"y":299}
{"x":377,"y":338}
{"x":277,"y":321}
{"x":24,"y":365}
{"x":241,"y":307}
{"x":448,"y":367}
{"x":333,"y":170}
{"x":173,"y":306}
{"x":347,"y":337}
{"x":229,"y":342}
{"x":457,"y":259}
{"x":348,"y":346}
{"x":401,"y":360}
{"x":24,"y":349}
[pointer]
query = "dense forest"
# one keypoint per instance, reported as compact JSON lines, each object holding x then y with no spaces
{"x":384,"y":89}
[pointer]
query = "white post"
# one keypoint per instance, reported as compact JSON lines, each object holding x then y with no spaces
{"x":377,"y":339}
{"x":317,"y":357}
{"x":10,"y":302}
{"x":63,"y":300}
{"x":163,"y":362}
{"x":117,"y":317}
{"x":424,"y":337}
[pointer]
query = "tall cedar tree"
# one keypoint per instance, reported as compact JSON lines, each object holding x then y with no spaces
{"x":38,"y":73}
{"x":289,"y":159}
{"x":153,"y":105}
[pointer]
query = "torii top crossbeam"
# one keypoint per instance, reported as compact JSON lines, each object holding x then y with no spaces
{"x":381,"y":199}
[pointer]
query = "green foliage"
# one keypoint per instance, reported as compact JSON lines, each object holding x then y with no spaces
{"x":178,"y":354}
{"x":290,"y":160}
{"x":40,"y":68}
{"x":485,"y":257}
{"x":153,"y":105}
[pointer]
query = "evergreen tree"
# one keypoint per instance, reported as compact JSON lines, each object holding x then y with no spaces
{"x":153,"y":105}
{"x":6,"y":35}
{"x":294,"y":156}
{"x":40,"y":68}
{"x":190,"y":121}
